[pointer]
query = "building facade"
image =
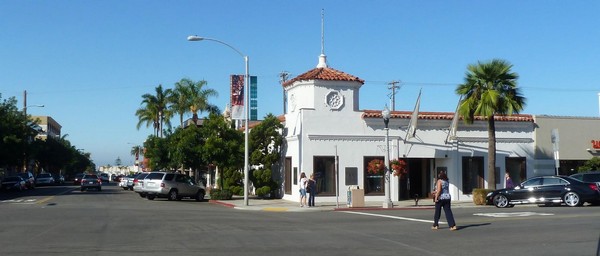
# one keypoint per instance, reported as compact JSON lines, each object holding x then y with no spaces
{"x":49,"y":127}
{"x":327,"y":134}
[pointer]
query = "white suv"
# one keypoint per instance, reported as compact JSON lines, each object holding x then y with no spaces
{"x":173,"y":186}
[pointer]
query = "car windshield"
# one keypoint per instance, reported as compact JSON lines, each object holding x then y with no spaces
{"x":44,"y":175}
{"x":24,"y":175}
{"x":90,"y":177}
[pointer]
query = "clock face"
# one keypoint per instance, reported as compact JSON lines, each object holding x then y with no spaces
{"x":334,"y":100}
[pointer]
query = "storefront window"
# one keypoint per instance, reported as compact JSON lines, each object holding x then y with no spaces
{"x":374,"y":183}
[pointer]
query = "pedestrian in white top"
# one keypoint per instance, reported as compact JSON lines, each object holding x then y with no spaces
{"x":303,"y":184}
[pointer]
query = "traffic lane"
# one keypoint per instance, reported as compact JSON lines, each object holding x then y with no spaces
{"x":115,"y":221}
{"x":38,"y":192}
{"x":534,"y":230}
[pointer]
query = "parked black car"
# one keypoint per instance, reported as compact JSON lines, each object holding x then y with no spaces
{"x":28,"y":178}
{"x":591,"y":176}
{"x":13,"y":183}
{"x":546,"y":190}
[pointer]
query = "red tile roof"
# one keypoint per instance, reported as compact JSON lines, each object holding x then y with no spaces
{"x":443,"y":116}
{"x":329,"y":74}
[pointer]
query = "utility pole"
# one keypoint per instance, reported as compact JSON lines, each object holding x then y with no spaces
{"x":283,"y":77}
{"x":393,"y":85}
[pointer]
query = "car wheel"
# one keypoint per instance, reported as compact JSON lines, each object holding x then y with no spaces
{"x":173,"y":195}
{"x":142,"y":195}
{"x":150,"y":197}
{"x":200,"y":196}
{"x":572,"y":199}
{"x":501,"y":201}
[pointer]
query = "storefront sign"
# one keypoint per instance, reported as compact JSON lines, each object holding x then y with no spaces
{"x":596,"y":144}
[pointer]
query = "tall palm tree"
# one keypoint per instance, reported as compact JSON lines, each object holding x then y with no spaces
{"x":490,"y":89}
{"x":179,"y":98}
{"x":156,"y":110}
{"x":192,"y":97}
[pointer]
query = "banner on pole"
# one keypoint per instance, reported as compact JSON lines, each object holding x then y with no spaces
{"x":237,"y":97}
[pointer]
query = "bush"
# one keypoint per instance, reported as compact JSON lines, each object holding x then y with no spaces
{"x":479,"y":195}
{"x":218,"y":194}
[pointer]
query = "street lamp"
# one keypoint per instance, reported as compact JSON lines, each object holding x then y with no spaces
{"x":387,"y":202}
{"x":246,"y":107}
{"x":30,"y":106}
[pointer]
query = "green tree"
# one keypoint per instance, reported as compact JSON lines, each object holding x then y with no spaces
{"x":155,"y":110}
{"x":156,"y":151}
{"x":265,"y":147}
{"x":490,"y":89}
{"x":224,"y":147}
{"x":590,"y":165}
{"x":185,"y":148}
{"x":16,"y":134}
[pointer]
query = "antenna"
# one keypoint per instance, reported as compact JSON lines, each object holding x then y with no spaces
{"x":323,"y":31}
{"x":322,"y":57}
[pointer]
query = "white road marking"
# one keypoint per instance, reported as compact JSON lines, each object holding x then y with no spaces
{"x":393,"y":217}
{"x":19,"y":201}
{"x":512,"y":214}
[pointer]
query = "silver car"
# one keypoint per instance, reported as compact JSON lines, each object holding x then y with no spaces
{"x":44,"y":179}
{"x":173,"y":186}
{"x":138,"y":183}
{"x":127,"y":182}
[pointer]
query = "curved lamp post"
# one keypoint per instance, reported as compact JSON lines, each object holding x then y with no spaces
{"x":387,"y":202}
{"x":246,"y":107}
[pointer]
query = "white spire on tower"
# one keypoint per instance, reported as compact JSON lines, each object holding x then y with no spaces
{"x":322,"y":57}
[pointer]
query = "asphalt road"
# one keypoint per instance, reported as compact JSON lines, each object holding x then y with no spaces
{"x":61,"y":220}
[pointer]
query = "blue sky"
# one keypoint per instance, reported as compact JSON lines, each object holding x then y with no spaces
{"x":89,"y":62}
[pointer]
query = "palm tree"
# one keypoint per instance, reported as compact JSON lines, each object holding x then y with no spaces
{"x":179,"y":99}
{"x":490,"y":89}
{"x":155,"y":110}
{"x":190,"y":96}
{"x":135,"y":151}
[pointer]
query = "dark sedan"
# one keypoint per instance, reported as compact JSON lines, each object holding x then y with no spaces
{"x":13,"y":183}
{"x":546,"y":190}
{"x":77,"y":180}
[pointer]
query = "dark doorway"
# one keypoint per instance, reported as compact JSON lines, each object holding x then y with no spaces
{"x":472,"y":173}
{"x":287,"y":186}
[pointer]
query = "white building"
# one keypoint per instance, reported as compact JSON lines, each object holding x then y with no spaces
{"x":324,"y":121}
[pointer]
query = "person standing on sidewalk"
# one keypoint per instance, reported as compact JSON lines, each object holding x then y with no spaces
{"x":303,"y":184}
{"x":508,"y":183}
{"x":442,"y":199}
{"x":312,"y":190}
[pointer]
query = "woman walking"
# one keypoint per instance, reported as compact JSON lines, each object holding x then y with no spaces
{"x":442,"y":200}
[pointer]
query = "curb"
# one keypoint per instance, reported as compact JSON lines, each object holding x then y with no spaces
{"x":222,"y":203}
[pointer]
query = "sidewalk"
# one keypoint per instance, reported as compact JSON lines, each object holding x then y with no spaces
{"x":282,"y":205}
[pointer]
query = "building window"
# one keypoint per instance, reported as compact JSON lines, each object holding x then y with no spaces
{"x":472,"y":174}
{"x":324,"y":170}
{"x":374,"y":183}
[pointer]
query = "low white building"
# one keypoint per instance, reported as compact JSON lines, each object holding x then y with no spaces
{"x":325,"y":128}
